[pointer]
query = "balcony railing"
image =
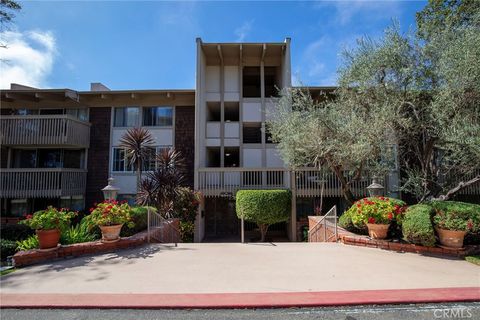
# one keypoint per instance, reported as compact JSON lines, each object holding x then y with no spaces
{"x":42,"y":182}
{"x":44,"y":130}
{"x":308,"y":181}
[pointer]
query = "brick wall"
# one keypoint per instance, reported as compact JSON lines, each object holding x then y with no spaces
{"x":184,"y":138}
{"x":98,"y":154}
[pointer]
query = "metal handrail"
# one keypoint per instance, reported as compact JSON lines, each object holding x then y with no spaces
{"x":332,"y":213}
{"x":163,"y":222}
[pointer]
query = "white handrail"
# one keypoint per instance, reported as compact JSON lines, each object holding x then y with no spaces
{"x":313,"y":232}
{"x":155,"y":222}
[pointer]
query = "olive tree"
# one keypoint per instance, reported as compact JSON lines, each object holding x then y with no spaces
{"x":263,"y":207}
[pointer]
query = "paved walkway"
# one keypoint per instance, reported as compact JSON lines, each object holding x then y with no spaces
{"x":242,"y":268}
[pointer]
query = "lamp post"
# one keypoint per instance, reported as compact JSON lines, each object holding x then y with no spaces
{"x":110,"y":192}
{"x":375,"y":189}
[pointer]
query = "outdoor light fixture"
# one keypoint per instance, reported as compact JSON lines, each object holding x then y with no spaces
{"x":375,"y":189}
{"x":227,"y":154}
{"x":110,"y":192}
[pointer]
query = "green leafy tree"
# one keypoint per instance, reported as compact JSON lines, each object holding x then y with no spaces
{"x":264,"y":207}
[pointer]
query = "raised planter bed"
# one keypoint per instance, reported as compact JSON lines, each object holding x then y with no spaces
{"x":25,"y":258}
{"x":364,"y":241}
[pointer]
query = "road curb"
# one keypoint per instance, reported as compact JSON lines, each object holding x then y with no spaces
{"x":238,"y":300}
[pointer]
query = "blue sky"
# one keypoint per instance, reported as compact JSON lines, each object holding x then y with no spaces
{"x":151,"y":45}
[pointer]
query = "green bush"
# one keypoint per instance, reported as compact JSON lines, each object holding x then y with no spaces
{"x":15,"y":232}
{"x":7,"y":248}
{"x":27,"y":244}
{"x":77,"y":234}
{"x":417,"y":225}
{"x":345,"y":221}
{"x":186,"y":204}
{"x":187,"y":230}
{"x":264,"y":207}
{"x":139,"y":217}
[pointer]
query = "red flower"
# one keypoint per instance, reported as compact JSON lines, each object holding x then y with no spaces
{"x":390,"y":216}
{"x":371,"y":220}
{"x":91,"y":209}
{"x":358,"y":205}
{"x":29,"y":216}
{"x":469,"y":224}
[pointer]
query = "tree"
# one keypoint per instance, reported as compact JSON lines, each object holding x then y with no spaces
{"x":7,"y":14}
{"x":421,"y":91}
{"x":138,"y":144}
{"x":162,"y":187}
{"x":264,"y":207}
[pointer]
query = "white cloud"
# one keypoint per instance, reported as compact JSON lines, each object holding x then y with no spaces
{"x":243,"y":31}
{"x":28,"y":58}
{"x":374,"y":9}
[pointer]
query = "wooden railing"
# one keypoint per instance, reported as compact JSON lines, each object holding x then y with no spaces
{"x":44,"y":130}
{"x":42,"y":182}
{"x":308,"y":181}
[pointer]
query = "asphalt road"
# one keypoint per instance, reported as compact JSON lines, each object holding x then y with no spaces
{"x":425,"y":311}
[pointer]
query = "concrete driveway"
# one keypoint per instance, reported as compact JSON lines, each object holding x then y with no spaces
{"x":237,"y":268}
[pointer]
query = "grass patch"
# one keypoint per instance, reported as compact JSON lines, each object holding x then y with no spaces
{"x":7,"y":271}
{"x":473,"y":259}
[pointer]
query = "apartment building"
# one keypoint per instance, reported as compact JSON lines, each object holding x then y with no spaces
{"x":59,"y":146}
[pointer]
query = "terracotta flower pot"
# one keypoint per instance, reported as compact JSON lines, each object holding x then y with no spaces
{"x":377,"y":231}
{"x":111,"y":233}
{"x":48,"y":239}
{"x":451,"y":238}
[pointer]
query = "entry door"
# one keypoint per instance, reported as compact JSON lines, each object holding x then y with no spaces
{"x":221,"y":219}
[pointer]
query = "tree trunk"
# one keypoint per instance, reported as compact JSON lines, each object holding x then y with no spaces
{"x":263,"y":231}
{"x":347,"y":192}
{"x":462,"y":185}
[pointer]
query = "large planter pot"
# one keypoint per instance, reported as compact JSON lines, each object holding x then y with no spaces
{"x":450,"y":238}
{"x":377,"y":231}
{"x":48,"y":239}
{"x":111,"y":233}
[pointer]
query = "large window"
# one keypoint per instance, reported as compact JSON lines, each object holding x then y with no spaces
{"x":126,"y":117}
{"x":120,"y":161}
{"x":150,"y":164}
{"x":48,"y":158}
{"x":158,"y":116}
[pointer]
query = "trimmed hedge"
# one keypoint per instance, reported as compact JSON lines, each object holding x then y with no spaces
{"x":417,"y":225}
{"x":264,"y":207}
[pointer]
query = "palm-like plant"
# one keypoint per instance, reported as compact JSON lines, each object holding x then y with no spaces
{"x":138,"y":144}
{"x":161,"y":187}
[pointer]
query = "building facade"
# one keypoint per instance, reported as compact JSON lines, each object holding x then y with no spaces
{"x":59,"y":146}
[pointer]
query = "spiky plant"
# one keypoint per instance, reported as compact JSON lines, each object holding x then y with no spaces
{"x":138,"y":143}
{"x":161,"y":187}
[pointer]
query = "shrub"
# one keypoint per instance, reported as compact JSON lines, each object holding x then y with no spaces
{"x":27,"y":244}
{"x":15,"y":232}
{"x":345,"y":221}
{"x":379,"y":210}
{"x":109,"y":213}
{"x":417,"y":225}
{"x":187,"y":230}
{"x":186,"y":204}
{"x":50,"y":218}
{"x":7,"y":248}
{"x":77,"y":234}
{"x":264,"y":207}
{"x":139,"y":217}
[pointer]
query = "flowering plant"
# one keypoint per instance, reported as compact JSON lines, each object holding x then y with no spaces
{"x":454,"y":221}
{"x":110,"y":213}
{"x":377,"y":210}
{"x":50,"y":218}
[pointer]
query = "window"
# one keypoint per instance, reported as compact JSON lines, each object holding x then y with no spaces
{"x":51,"y":111}
{"x":49,"y":158}
{"x":24,"y":158}
{"x":251,"y":82}
{"x":19,"y":207}
{"x":80,"y":114}
{"x":73,"y":159}
{"x":150,"y":164}
{"x":126,"y":117}
{"x":72,"y":202}
{"x":158,"y":116}
{"x":120,"y":161}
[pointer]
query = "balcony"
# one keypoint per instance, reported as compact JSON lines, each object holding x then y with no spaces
{"x":42,"y":183}
{"x":309,"y":182}
{"x":44,"y":130}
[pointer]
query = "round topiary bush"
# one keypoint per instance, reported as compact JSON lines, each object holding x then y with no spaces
{"x":417,"y":225}
{"x":264,"y":207}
